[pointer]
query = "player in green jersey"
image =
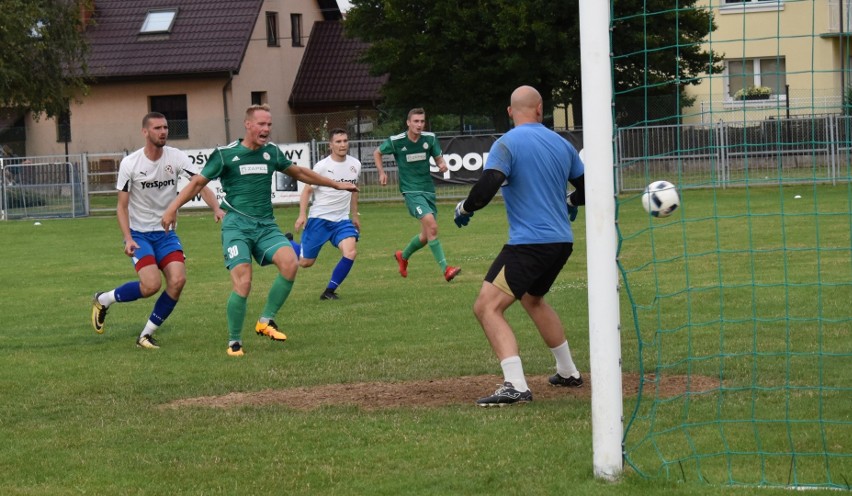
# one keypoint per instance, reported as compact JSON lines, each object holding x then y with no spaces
{"x":411,"y":150}
{"x":246,"y":168}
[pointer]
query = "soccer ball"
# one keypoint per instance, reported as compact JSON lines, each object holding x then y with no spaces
{"x":660,"y":198}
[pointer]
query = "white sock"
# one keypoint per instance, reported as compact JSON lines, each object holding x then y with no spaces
{"x":564,"y":363}
{"x":513,"y":371}
{"x":149,"y":329}
{"x":106,"y":299}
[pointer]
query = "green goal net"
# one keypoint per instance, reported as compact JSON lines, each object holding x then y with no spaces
{"x":736,"y":308}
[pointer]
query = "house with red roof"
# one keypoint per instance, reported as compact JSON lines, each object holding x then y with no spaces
{"x":202,"y":63}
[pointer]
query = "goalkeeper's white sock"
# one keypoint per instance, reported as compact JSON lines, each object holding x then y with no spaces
{"x":513,"y":371}
{"x":564,"y":363}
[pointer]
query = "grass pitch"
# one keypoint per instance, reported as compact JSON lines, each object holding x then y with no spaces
{"x":84,"y":413}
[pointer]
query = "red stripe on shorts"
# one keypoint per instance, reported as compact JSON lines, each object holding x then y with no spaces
{"x":145,"y":261}
{"x":175,"y":256}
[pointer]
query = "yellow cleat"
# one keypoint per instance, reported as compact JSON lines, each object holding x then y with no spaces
{"x":147,"y":342}
{"x":235,"y":350}
{"x":98,"y":314}
{"x":270,"y":329}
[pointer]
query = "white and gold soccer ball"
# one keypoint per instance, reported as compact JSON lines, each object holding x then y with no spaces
{"x":660,"y":198}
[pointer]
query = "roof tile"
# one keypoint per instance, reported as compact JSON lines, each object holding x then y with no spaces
{"x":207,"y":36}
{"x":330,"y":72}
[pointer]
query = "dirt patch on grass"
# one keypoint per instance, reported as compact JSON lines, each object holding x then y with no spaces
{"x":433,"y":393}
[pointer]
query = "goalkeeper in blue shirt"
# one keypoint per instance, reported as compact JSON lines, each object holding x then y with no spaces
{"x":533,"y":165}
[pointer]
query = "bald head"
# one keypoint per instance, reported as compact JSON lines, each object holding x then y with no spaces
{"x":525,"y":105}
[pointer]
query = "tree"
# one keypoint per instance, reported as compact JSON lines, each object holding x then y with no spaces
{"x":657,"y":52}
{"x":43,"y":60}
{"x":467,"y":57}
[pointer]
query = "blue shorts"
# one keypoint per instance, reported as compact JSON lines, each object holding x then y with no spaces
{"x":318,"y":231}
{"x":157,"y":244}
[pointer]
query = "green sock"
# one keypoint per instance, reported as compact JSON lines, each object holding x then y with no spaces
{"x":413,"y":246}
{"x":236,"y":315}
{"x":438,"y":253}
{"x":278,"y":294}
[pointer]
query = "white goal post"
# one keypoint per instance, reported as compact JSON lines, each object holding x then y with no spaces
{"x":601,"y":237}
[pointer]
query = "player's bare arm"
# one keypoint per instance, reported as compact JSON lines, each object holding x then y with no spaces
{"x":441,"y":163}
{"x":353,"y":212}
{"x":308,"y":176}
{"x":122,"y":212}
{"x":193,"y":188}
{"x":377,"y":158}
{"x":302,"y":219}
{"x":209,"y":198}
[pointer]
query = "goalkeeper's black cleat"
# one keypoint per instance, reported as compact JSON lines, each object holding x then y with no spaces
{"x":505,"y":395}
{"x":570,"y":381}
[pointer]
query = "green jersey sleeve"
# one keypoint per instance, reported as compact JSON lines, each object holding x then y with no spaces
{"x":281,"y":162}
{"x":436,"y":147}
{"x":386,"y":148}
{"x":213,"y":168}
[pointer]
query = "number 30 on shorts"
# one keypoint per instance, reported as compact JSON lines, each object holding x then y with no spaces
{"x":233,"y":251}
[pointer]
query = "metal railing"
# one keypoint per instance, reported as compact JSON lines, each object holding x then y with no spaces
{"x":721,"y":154}
{"x":40,"y":187}
{"x":725,"y":154}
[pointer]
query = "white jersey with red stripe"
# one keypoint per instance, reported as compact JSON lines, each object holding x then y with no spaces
{"x":152,"y":185}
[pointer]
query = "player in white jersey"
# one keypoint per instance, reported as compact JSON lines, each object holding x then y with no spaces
{"x":329,"y":218}
{"x":147,"y":183}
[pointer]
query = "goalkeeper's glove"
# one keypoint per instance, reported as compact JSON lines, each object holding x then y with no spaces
{"x":572,"y":210}
{"x":462,"y":218}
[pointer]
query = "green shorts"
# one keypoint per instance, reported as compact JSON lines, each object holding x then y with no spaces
{"x":420,"y":204}
{"x":244,"y":238}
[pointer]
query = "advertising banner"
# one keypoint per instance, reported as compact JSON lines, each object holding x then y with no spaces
{"x":466,"y":156}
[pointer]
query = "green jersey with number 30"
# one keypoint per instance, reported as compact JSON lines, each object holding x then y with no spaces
{"x":246,"y":176}
{"x":412,"y":160}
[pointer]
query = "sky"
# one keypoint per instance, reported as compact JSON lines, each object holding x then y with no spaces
{"x":344,"y":5}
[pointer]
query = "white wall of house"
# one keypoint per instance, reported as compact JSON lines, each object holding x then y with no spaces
{"x":273,"y":69}
{"x":109,"y":118}
{"x":795,"y":31}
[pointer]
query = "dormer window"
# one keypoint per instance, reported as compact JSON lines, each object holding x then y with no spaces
{"x":158,"y":21}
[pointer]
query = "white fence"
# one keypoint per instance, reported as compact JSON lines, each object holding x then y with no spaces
{"x":724,"y":154}
{"x":798,"y":149}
